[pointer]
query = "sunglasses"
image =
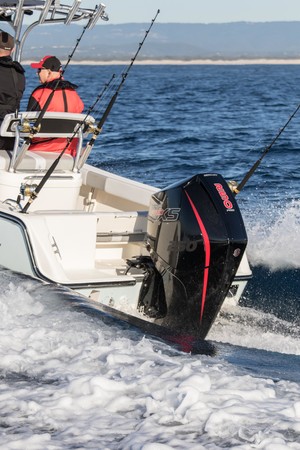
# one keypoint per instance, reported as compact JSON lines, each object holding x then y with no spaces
{"x":43,"y":68}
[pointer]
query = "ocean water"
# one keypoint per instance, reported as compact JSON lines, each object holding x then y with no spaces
{"x":72,"y":380}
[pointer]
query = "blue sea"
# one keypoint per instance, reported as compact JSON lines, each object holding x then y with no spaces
{"x":70,"y":380}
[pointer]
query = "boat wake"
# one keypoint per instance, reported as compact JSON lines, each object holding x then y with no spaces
{"x":62,"y":369}
{"x":247,"y":327}
{"x":29,"y":303}
{"x":274,"y":254}
{"x":267,"y":316}
{"x":274,"y":236}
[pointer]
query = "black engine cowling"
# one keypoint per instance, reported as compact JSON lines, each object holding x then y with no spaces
{"x":197,"y":238}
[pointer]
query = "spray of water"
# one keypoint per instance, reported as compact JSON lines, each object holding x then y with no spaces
{"x":274,"y":237}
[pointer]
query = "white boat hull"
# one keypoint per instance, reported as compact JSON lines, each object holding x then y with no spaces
{"x":81,"y":231}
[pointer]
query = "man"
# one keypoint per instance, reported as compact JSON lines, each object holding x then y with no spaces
{"x":12,"y":83}
{"x":58,"y":95}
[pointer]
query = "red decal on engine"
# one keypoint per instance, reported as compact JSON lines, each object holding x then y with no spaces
{"x":206,"y":243}
{"x":226,"y":202}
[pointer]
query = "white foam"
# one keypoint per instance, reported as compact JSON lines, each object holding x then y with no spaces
{"x":254,"y":329}
{"x":274,"y":237}
{"x":70,"y":381}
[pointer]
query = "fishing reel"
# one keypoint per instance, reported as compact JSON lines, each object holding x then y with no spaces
{"x":29,"y":127}
{"x":27,"y":190}
{"x":89,"y":128}
{"x":233,"y":186}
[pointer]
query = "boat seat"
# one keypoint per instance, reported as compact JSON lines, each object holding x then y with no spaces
{"x":53,"y":125}
{"x":36,"y":161}
{"x":115,"y":185}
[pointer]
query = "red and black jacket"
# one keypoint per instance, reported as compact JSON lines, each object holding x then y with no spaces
{"x":65,"y":99}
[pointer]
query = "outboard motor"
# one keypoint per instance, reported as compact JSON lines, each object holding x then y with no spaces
{"x":197,"y":238}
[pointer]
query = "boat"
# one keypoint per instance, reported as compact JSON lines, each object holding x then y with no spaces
{"x":164,"y":260}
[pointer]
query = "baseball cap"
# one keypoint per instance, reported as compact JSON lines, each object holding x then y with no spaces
{"x":6,"y":41}
{"x":48,"y":62}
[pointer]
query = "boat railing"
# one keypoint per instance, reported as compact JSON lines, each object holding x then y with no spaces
{"x":53,"y":125}
{"x":45,"y":12}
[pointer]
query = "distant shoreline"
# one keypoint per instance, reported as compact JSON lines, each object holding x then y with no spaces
{"x":184,"y":62}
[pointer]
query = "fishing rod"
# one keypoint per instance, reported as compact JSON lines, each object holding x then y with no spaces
{"x":124,"y":75}
{"x":35,"y":192}
{"x":236,"y":189}
{"x":35,"y":127}
{"x":106,"y":86}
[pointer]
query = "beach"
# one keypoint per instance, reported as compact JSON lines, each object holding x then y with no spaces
{"x":183,"y":62}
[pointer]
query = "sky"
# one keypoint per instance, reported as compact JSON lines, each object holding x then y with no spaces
{"x":200,"y":11}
